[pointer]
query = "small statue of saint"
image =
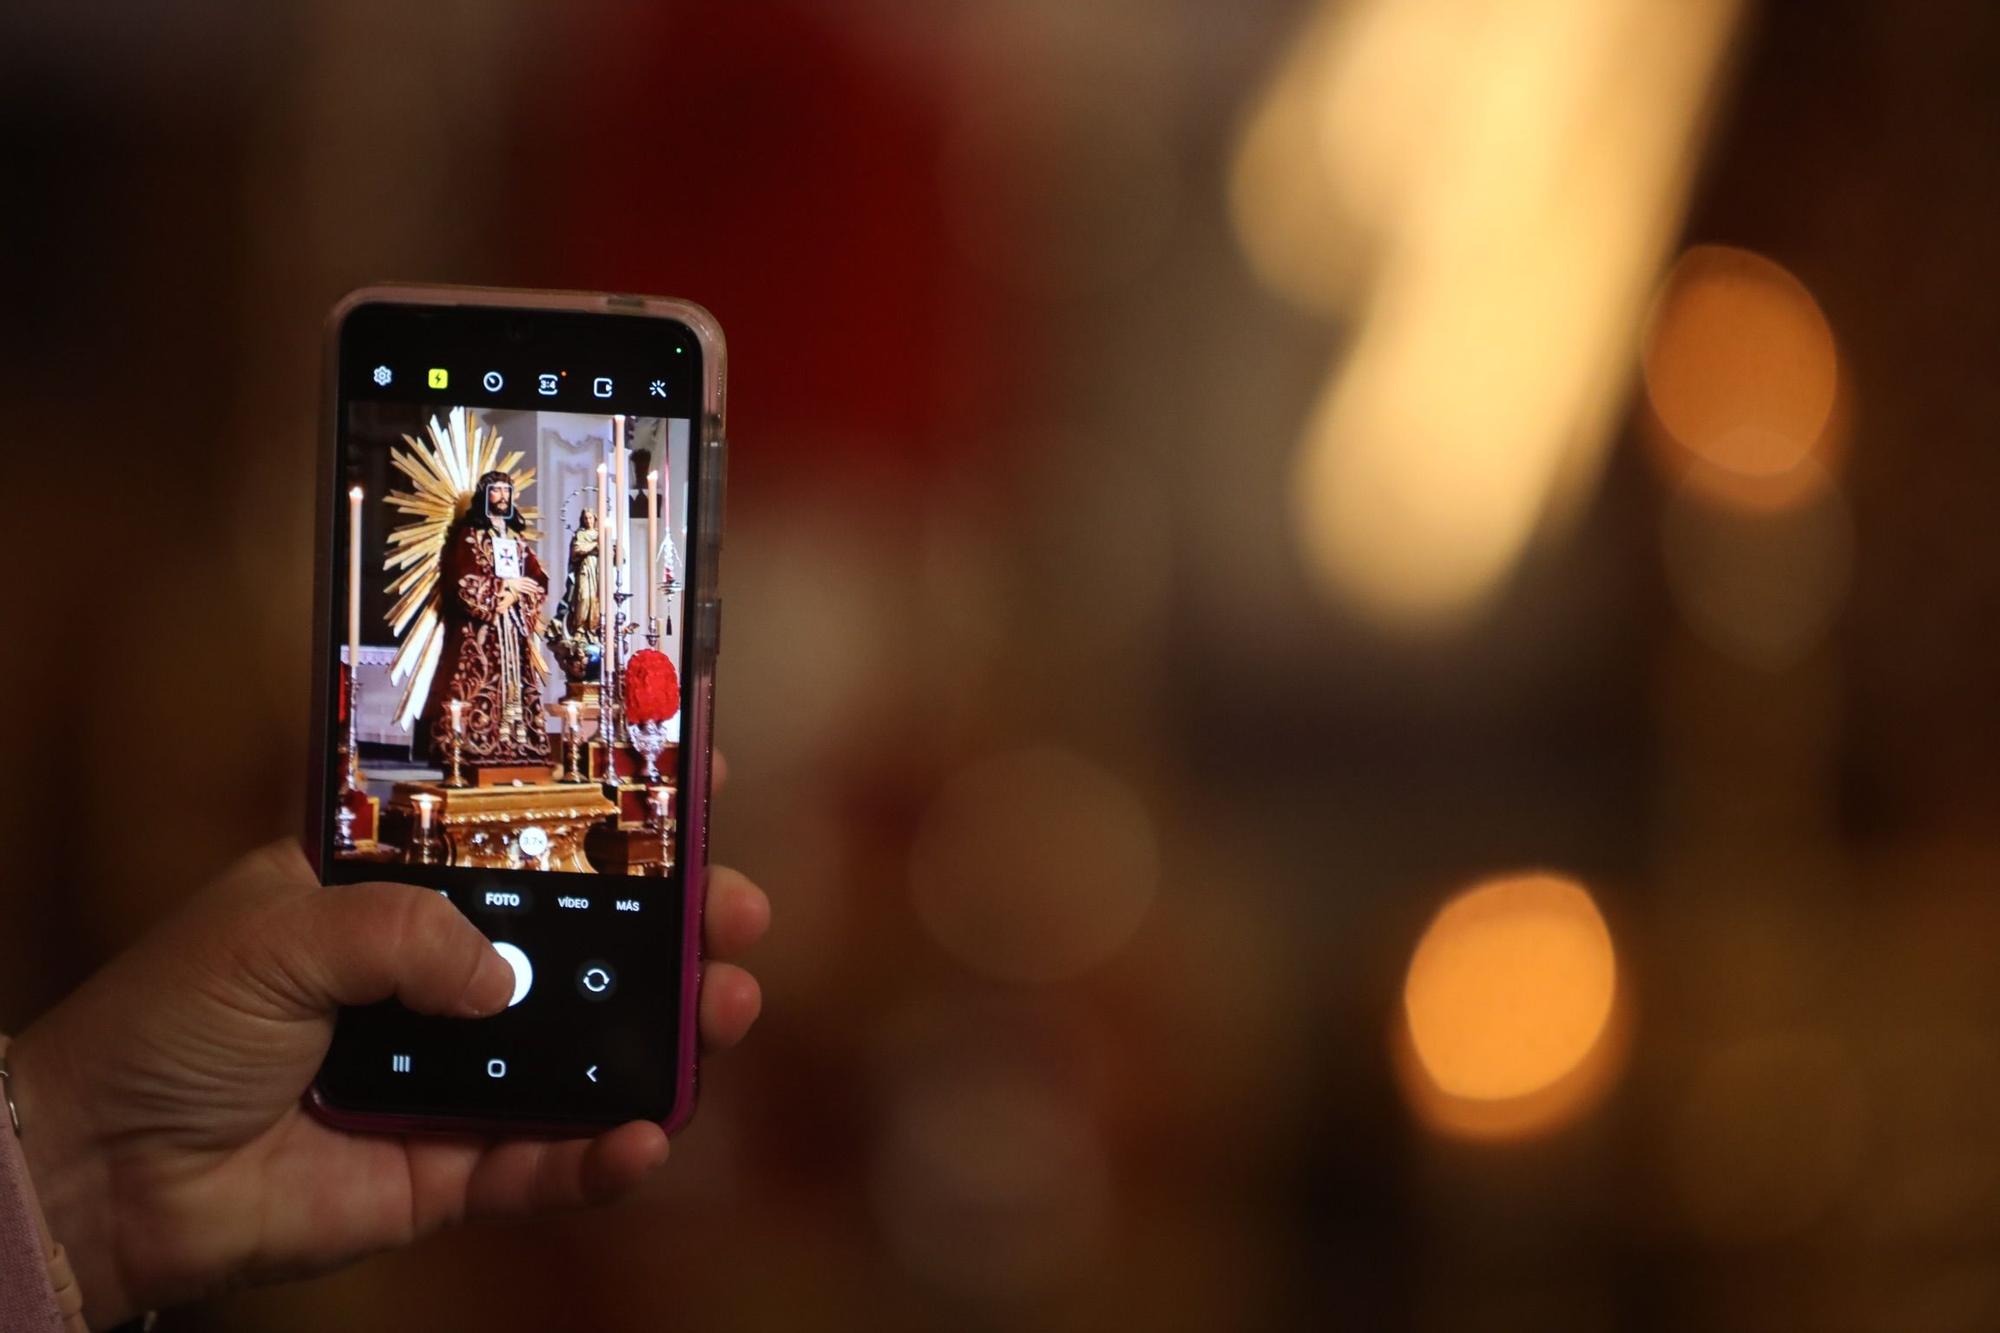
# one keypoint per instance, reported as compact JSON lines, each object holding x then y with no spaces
{"x":580,"y":615}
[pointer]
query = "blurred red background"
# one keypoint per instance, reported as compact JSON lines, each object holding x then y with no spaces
{"x":1359,"y":634}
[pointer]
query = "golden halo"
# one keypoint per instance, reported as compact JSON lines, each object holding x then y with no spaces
{"x":442,"y":472}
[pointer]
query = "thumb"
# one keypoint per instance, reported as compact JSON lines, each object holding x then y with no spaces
{"x":360,"y":943}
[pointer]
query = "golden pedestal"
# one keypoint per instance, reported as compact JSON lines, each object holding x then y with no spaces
{"x":535,"y":826}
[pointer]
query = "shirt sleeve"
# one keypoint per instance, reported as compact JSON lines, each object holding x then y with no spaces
{"x":28,"y":1299}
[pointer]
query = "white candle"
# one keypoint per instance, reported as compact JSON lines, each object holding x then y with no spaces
{"x":353,"y":588}
{"x":622,"y":517}
{"x":666,"y":526}
{"x":457,"y":707}
{"x":425,"y":801}
{"x":604,"y":584}
{"x":570,"y":714}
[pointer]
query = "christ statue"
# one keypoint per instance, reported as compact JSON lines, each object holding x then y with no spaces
{"x":494,"y":587}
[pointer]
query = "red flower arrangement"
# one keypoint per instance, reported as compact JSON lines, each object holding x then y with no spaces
{"x":652,"y":689}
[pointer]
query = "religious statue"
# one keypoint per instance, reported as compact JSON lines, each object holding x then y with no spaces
{"x":579,"y":609}
{"x":493,"y":588}
{"x":456,"y":513}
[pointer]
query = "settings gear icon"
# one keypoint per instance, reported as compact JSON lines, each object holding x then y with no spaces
{"x":383,"y":375}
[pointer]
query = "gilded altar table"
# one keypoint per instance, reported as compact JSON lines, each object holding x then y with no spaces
{"x":532,"y":826}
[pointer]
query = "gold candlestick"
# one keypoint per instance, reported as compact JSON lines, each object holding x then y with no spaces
{"x":572,"y":742}
{"x":350,"y":799}
{"x":422,"y":852}
{"x":457,"y":776}
{"x":658,"y":805}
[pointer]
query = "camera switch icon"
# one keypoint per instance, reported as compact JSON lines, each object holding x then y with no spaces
{"x":596,"y":981}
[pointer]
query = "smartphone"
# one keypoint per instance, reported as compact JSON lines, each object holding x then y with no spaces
{"x":520,"y":514}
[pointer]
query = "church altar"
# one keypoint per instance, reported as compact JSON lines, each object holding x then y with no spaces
{"x":579,"y":782}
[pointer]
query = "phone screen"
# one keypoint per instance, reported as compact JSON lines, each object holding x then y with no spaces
{"x":511,"y":575}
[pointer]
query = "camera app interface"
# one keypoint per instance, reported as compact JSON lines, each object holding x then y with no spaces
{"x":510,"y":675}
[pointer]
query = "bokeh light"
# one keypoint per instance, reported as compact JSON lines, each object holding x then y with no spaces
{"x":1488,"y":213}
{"x":1287,"y":209}
{"x":1507,"y":1005}
{"x":1034,"y":865}
{"x":1742,"y":375}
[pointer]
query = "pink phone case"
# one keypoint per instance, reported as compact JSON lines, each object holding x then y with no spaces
{"x":705,"y":607}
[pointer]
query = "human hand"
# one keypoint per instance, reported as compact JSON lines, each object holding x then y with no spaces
{"x":161,"y":1109}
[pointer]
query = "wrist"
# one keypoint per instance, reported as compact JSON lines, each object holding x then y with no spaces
{"x":70,"y":1179}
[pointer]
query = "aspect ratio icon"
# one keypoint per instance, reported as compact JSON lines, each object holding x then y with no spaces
{"x":493,"y":381}
{"x":546,"y":385}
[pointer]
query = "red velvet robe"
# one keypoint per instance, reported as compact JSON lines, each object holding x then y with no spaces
{"x":479,"y":642}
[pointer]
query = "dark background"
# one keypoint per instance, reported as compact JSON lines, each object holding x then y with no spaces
{"x":1016,"y":594}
